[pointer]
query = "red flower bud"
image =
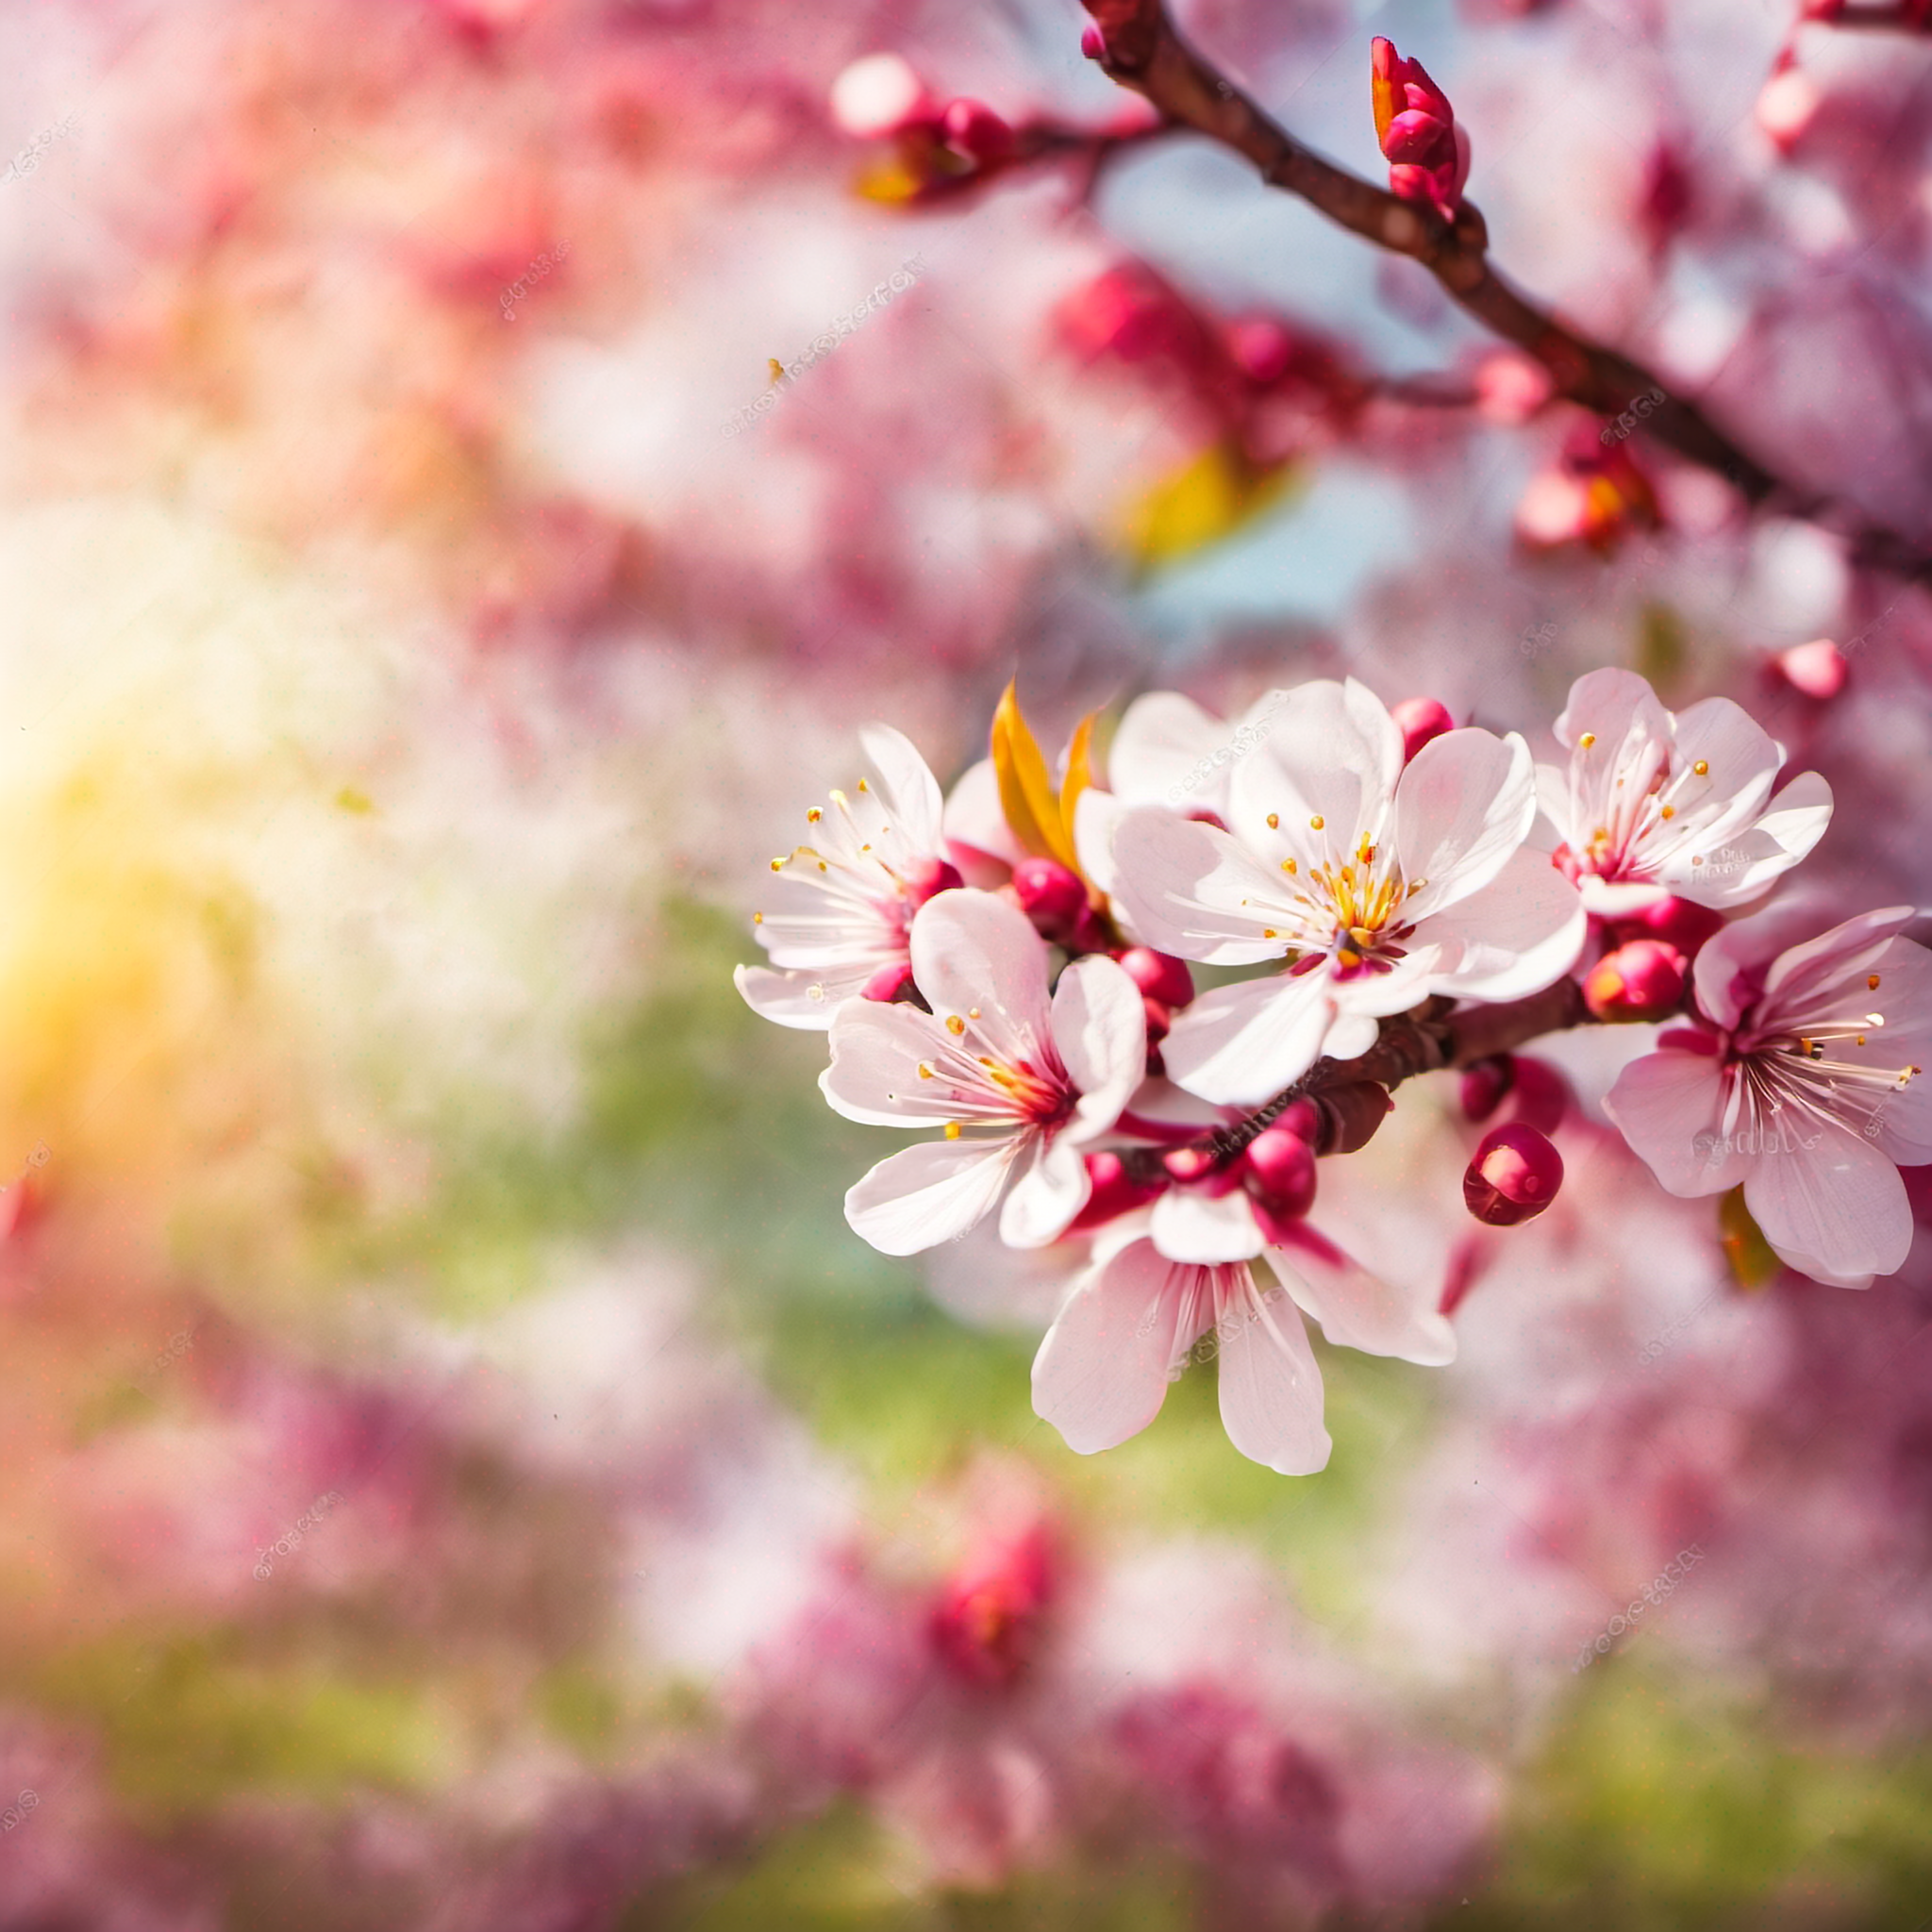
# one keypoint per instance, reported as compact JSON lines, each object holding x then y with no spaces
{"x":1417,"y":129}
{"x":1115,"y":1192}
{"x":889,"y":983}
{"x":975,"y":131}
{"x":1159,"y":1022}
{"x":1420,"y":719}
{"x":1261,"y":349}
{"x":1281,"y":1176}
{"x":1093,"y":45}
{"x":1485,"y":1084}
{"x":927,"y":877}
{"x":1160,"y":975}
{"x":1049,"y":894}
{"x":1302,"y":1118}
{"x":1643,"y":980}
{"x":1539,"y":1096}
{"x":1680,"y":923}
{"x":1515,"y":1176}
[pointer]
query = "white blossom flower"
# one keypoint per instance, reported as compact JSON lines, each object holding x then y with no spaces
{"x":841,"y":908}
{"x":1800,"y":1080}
{"x":1378,"y":885}
{"x":1049,"y":1075}
{"x":1656,"y":804}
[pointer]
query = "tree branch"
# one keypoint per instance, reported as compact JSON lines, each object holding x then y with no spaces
{"x":1141,"y":51}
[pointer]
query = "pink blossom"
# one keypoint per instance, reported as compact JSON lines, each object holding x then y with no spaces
{"x":841,"y":906}
{"x":1377,"y":884}
{"x":1050,"y":1077}
{"x":1799,"y":1079}
{"x":1655,"y":805}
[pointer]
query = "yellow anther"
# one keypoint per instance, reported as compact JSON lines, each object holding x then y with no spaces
{"x":863,"y":786}
{"x":973,"y":1013}
{"x":1669,"y":811}
{"x":757,"y":919}
{"x":813,"y":816}
{"x":1367,"y":854}
{"x":1587,"y":739}
{"x":777,"y":865}
{"x":1697,"y":858}
{"x":1345,"y":958}
{"x":1316,"y":822}
{"x":1872,"y":982}
{"x":1859,"y":1040}
{"x":1267,"y":932}
{"x":955,"y":1026}
{"x":1416,"y":885}
{"x":822,"y":865}
{"x":925,"y":1071}
{"x":1702,"y":768}
{"x":1288,"y":865}
{"x":951,"y":1130}
{"x":1273,"y":821}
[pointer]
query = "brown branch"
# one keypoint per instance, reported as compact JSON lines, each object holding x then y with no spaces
{"x":1434,"y":1034}
{"x":1141,"y":51}
{"x":1908,"y":17}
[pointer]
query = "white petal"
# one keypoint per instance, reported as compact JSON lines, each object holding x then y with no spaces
{"x":1358,"y":1310}
{"x":804,"y":1000}
{"x":1095,"y":815}
{"x":877,"y":1053}
{"x":1197,"y":893}
{"x":1739,"y":869}
{"x":1837,"y":1211}
{"x":1668,"y":1106}
{"x":1463,"y":806}
{"x":905,"y":785}
{"x":1845,"y":952}
{"x":1045,"y":1198}
{"x":929,"y":1194}
{"x":1333,"y":750}
{"x":1238,"y":1045}
{"x":973,"y":949}
{"x":1729,"y":965}
{"x":1742,"y":755}
{"x":1355,"y":1029}
{"x":1100,"y":1028}
{"x":1164,"y":753}
{"x":1271,"y":1389}
{"x":1101,"y":1373}
{"x":973,"y":817}
{"x":1188,"y":1226}
{"x":1515,"y":937}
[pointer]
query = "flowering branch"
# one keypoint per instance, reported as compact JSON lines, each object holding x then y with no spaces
{"x":1135,"y":42}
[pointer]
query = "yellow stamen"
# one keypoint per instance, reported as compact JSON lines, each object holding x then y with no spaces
{"x":1288,"y":865}
{"x":1267,"y":932}
{"x":1587,"y":739}
{"x":1273,"y":821}
{"x":925,"y":1071}
{"x":951,"y":1130}
{"x":777,"y":865}
{"x":813,"y":816}
{"x":973,"y":1013}
{"x":1859,"y":1040}
{"x":955,"y":1026}
{"x":1872,"y":982}
{"x":1702,"y":768}
{"x":757,"y":919}
{"x":1669,"y":811}
{"x":1316,"y":822}
{"x":863,"y":786}
{"x":822,"y":865}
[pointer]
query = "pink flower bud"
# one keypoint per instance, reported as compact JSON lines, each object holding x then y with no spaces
{"x":1484,"y":1086}
{"x":985,"y":1622}
{"x":1281,"y":1176}
{"x":1090,"y":934}
{"x":1261,"y":349}
{"x":1510,"y":389}
{"x":1817,"y":669}
{"x":1515,"y":1176}
{"x":1050,"y":895}
{"x":927,"y":877}
{"x":1415,"y":127}
{"x":1160,"y":975}
{"x":1643,"y":980}
{"x":1420,"y":719}
{"x":878,"y":95}
{"x":976,"y":131}
{"x":1787,"y":105}
{"x":889,"y":983}
{"x":1539,"y":1096}
{"x":1092,"y":43}
{"x":1680,"y":923}
{"x":1115,"y":1192}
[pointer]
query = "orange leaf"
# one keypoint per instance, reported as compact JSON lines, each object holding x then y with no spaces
{"x":1079,"y":775}
{"x":1026,"y":795}
{"x":1752,"y":1257}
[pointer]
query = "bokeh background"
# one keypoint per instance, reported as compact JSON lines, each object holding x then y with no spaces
{"x":458,"y":1471}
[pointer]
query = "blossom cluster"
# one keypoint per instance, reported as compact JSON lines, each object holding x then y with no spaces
{"x":1012,"y":966}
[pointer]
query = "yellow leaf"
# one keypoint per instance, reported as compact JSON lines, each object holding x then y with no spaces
{"x":1202,"y":502}
{"x":1026,"y":795}
{"x":1750,"y":1255}
{"x":1079,"y":774}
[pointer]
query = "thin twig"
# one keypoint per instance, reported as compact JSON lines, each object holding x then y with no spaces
{"x":1141,"y":51}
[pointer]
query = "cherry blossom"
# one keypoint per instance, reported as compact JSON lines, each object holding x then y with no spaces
{"x":841,"y":906}
{"x":1378,"y":885}
{"x":1798,"y":1081}
{"x":1654,"y":806}
{"x":1049,"y":1075}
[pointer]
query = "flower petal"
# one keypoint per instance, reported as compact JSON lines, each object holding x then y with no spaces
{"x":972,"y":816}
{"x":972,"y":951}
{"x":906,"y":787}
{"x":1668,"y":1106}
{"x":1190,"y":1225}
{"x":1096,"y":814}
{"x":877,"y":1053}
{"x":1099,"y":1025}
{"x":1516,"y":936}
{"x":1101,"y":1373}
{"x":1197,"y":893}
{"x":1271,"y":1389}
{"x":1358,"y":1310}
{"x":804,"y":1000}
{"x":1835,"y":1211}
{"x":929,"y":1194}
{"x":1332,"y":751}
{"x":1238,"y":1045}
{"x":1464,"y":805}
{"x":1045,"y":1198}
{"x":1159,"y":752}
